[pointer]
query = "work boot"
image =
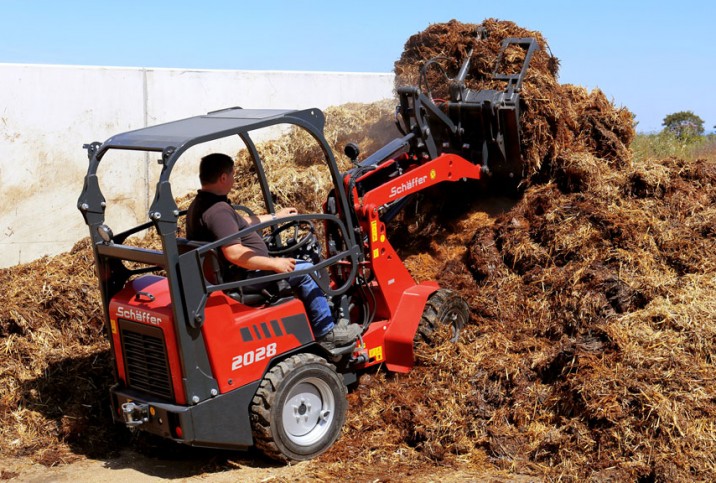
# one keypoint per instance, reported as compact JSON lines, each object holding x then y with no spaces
{"x":340,"y":336}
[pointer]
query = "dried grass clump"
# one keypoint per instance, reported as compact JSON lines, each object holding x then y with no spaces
{"x":605,"y":131}
{"x":55,"y":371}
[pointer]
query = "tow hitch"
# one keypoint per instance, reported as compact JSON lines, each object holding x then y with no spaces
{"x":135,"y":414}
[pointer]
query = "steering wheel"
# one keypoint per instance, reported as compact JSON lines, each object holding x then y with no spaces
{"x":296,"y":242}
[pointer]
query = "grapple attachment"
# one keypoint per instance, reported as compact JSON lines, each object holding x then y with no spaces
{"x":482,"y":126}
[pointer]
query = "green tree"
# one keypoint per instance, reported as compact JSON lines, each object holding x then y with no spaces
{"x":684,"y":124}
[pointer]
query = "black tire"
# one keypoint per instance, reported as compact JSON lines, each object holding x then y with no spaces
{"x":444,"y":316}
{"x":299,"y":409}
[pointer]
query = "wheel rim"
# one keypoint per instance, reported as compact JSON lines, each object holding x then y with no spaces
{"x":454,"y":320}
{"x":308,"y":412}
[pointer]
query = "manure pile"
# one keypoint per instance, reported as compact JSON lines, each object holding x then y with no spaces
{"x":593,"y":297}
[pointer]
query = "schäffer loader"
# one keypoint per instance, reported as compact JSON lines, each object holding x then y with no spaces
{"x":208,"y":362}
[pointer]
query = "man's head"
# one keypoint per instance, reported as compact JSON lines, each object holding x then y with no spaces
{"x":216,"y":170}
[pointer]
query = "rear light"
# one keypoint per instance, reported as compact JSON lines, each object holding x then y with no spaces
{"x":174,"y":423}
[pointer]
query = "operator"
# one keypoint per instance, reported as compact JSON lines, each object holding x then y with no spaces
{"x":210,"y":217}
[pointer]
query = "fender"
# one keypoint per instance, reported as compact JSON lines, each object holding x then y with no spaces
{"x":398,"y":341}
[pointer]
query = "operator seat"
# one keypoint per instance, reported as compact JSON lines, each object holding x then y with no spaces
{"x":269,"y":293}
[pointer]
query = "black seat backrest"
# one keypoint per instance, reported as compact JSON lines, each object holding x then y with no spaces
{"x":271,"y":293}
{"x":211,"y":266}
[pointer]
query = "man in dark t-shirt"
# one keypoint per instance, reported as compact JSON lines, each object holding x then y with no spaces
{"x":211,"y":217}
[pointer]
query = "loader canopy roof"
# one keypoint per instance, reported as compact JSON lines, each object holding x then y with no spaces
{"x":180,"y":135}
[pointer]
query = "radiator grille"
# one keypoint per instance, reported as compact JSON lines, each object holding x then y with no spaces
{"x":145,"y":359}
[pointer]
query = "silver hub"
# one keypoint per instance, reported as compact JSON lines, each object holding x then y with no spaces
{"x":308,"y":411}
{"x":451,"y":320}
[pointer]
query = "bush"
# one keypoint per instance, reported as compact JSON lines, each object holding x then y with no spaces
{"x":666,"y":144}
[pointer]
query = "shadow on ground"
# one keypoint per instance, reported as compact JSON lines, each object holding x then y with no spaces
{"x":72,"y":395}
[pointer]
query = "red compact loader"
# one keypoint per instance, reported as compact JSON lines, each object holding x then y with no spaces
{"x":208,"y":362}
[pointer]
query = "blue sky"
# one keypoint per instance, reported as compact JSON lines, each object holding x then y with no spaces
{"x":653,"y":57}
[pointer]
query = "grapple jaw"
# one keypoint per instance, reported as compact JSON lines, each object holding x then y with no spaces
{"x":482,"y":126}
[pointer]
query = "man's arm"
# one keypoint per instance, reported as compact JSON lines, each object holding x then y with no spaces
{"x":246,"y":258}
{"x":256,"y":219}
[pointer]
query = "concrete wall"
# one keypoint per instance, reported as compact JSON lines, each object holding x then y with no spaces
{"x":48,"y":112}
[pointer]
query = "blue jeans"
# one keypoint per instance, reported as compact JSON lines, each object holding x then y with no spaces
{"x":313,"y":298}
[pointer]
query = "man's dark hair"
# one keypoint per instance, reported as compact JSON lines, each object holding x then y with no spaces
{"x":212,"y":166}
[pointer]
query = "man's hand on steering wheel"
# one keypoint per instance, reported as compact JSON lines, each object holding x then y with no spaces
{"x":288,"y":211}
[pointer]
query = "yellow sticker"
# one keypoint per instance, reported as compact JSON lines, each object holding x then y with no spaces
{"x":433,"y":174}
{"x":113,"y":325}
{"x":382,"y":238}
{"x":374,"y":231}
{"x":376,"y":353}
{"x":376,"y":253}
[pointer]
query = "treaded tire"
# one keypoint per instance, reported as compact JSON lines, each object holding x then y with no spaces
{"x":299,"y":409}
{"x":444,"y":316}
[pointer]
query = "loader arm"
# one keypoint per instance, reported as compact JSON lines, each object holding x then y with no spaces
{"x":472,"y":136}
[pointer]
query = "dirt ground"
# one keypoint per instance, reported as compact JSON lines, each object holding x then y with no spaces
{"x":132,"y":466}
{"x":203,"y":465}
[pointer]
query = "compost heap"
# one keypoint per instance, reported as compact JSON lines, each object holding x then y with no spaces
{"x":593,"y":297}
